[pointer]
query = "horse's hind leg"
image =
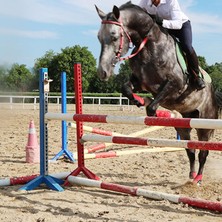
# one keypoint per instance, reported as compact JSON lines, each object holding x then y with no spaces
{"x":202,"y":160}
{"x":203,"y":135}
{"x":185,"y":135}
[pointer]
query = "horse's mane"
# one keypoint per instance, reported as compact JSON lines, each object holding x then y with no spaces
{"x":130,"y":5}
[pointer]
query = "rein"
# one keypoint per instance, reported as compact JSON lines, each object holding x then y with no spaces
{"x":122,"y":31}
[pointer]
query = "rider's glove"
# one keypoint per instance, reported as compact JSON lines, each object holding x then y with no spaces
{"x":159,"y":20}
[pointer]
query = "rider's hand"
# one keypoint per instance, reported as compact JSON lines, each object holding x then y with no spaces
{"x":159,"y":20}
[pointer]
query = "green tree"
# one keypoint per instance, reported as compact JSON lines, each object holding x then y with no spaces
{"x":115,"y":82}
{"x":123,"y":76}
{"x":64,"y":61}
{"x":19,"y":78}
{"x":98,"y":86}
{"x":202,"y":62}
{"x":215,"y":72}
{"x":3,"y":73}
{"x":43,"y":62}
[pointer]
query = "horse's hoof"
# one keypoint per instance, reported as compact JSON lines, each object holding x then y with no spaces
{"x":151,"y":112}
{"x":192,"y":175}
{"x":137,"y":103}
{"x":198,"y":179}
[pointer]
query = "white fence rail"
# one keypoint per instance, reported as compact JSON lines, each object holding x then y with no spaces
{"x":14,"y":102}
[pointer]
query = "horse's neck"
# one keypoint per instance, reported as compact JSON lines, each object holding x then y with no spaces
{"x":138,"y":25}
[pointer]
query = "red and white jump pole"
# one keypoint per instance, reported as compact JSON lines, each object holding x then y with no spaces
{"x":188,"y":144}
{"x":140,"y":120}
{"x":26,"y":179}
{"x":95,"y":130}
{"x":102,"y":146}
{"x":118,"y":153}
{"x":135,"y":191}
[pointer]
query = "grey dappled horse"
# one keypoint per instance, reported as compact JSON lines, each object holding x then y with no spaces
{"x":155,"y":69}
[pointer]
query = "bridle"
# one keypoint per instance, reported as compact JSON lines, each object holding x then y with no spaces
{"x":122,"y":31}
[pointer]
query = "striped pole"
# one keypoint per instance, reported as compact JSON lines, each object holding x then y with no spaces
{"x":117,"y":153}
{"x":135,"y":191}
{"x":110,"y":133}
{"x":26,"y":179}
{"x":188,"y":144}
{"x":106,"y":145}
{"x":140,"y":120}
{"x":95,"y":130}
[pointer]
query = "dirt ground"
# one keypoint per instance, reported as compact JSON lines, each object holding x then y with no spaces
{"x":161,"y":171}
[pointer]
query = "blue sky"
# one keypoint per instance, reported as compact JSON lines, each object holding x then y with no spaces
{"x":29,"y":28}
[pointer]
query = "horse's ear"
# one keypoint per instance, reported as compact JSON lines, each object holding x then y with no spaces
{"x":116,"y":12}
{"x":100,"y":13}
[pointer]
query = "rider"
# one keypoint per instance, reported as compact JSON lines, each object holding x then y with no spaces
{"x":169,"y":15}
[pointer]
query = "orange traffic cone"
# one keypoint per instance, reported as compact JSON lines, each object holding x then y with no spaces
{"x":32,"y":147}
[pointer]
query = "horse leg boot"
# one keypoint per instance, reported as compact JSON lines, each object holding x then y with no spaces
{"x":127,"y":90}
{"x":202,"y":160}
{"x":194,"y":69}
{"x":134,"y":85}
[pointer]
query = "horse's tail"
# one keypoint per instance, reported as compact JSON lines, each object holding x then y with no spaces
{"x":219,"y":101}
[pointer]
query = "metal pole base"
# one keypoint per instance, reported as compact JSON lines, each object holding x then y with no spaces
{"x":66,"y":153}
{"x":50,"y":181}
{"x":84,"y":170}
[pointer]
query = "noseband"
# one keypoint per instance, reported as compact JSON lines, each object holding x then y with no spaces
{"x":122,"y":31}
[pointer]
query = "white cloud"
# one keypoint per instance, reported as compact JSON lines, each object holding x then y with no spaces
{"x":57,"y":12}
{"x":42,"y":34}
{"x":205,"y":23}
{"x":54,"y":12}
{"x":202,"y":22}
{"x":186,"y":5}
{"x":91,"y":32}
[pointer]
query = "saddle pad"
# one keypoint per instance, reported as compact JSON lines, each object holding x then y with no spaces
{"x":183,"y":64}
{"x":205,"y":75}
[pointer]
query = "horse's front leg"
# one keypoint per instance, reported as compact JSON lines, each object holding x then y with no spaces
{"x":127,"y":90}
{"x":152,"y":108}
{"x":165,"y":91}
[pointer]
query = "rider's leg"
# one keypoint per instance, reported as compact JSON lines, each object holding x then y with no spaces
{"x":194,"y":69}
{"x":185,"y":37}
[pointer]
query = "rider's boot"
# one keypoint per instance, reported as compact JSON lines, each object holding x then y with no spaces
{"x":200,"y":83}
{"x":194,"y":70}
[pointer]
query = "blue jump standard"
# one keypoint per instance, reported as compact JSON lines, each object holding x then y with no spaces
{"x":44,"y":178}
{"x":64,"y":151}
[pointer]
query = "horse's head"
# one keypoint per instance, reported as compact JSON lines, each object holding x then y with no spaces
{"x":114,"y":41}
